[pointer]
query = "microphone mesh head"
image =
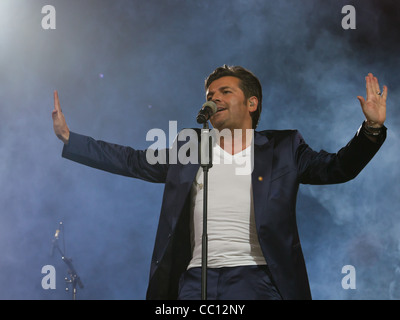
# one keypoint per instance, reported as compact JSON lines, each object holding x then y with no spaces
{"x":207,"y":110}
{"x":211,"y":105}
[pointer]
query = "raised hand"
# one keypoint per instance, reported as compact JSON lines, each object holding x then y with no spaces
{"x":374,"y":108}
{"x":59,"y":124}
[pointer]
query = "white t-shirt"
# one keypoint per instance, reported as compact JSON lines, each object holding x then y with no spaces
{"x":232,"y":235}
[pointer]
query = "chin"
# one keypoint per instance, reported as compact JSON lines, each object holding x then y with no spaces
{"x":217,"y":125}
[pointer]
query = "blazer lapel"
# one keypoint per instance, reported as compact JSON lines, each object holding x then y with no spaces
{"x":261,"y":175}
{"x":185,"y":178}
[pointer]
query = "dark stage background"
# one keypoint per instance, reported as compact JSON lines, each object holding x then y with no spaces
{"x":125,"y":67}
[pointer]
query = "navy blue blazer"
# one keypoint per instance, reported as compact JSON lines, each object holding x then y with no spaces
{"x":282,"y":160}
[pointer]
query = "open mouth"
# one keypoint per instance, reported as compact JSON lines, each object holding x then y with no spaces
{"x":220,"y":109}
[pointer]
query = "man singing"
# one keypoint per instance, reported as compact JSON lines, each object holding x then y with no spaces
{"x":254,"y":251}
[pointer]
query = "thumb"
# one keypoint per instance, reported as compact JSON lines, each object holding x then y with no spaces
{"x":362,"y":100}
{"x":54,"y":114}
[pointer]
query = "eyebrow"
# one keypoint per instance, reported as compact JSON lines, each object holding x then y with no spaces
{"x":210,"y":93}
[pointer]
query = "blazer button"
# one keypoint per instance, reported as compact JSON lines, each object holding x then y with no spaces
{"x":260,"y":178}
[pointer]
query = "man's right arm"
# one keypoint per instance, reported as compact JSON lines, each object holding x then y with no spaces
{"x":103,"y":155}
{"x":113,"y":158}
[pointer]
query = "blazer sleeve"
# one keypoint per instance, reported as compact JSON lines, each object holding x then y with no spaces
{"x":329,"y":168}
{"x":117,"y":159}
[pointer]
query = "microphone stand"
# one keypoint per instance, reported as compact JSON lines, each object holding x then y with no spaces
{"x":74,"y":279}
{"x":206,"y":164}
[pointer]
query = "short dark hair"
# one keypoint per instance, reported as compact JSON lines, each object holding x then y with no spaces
{"x":249,"y":84}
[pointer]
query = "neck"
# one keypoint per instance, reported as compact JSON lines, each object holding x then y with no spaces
{"x":234,"y":141}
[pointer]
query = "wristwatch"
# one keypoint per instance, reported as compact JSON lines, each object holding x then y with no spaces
{"x":371,"y":131}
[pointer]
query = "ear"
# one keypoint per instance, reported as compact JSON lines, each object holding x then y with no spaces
{"x":252,"y":103}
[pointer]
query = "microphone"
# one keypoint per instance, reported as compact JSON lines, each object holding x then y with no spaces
{"x":54,"y":241}
{"x":207,"y":110}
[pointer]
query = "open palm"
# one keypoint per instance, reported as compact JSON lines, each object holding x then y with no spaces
{"x":374,"y":108}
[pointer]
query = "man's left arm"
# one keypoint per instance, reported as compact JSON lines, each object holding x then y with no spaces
{"x":327,"y":168}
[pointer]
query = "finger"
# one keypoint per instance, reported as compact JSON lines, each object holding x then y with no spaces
{"x":370,"y":89}
{"x":362,"y":100}
{"x":385,"y":92}
{"x":56,"y":101}
{"x":375,"y":84}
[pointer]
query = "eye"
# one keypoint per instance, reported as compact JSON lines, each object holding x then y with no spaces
{"x":226,"y":91}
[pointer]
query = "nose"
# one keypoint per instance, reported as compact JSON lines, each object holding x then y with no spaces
{"x":216,"y":97}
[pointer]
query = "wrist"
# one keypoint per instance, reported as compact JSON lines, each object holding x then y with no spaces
{"x":64,"y":137}
{"x":371,"y":129}
{"x":373,"y":125}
